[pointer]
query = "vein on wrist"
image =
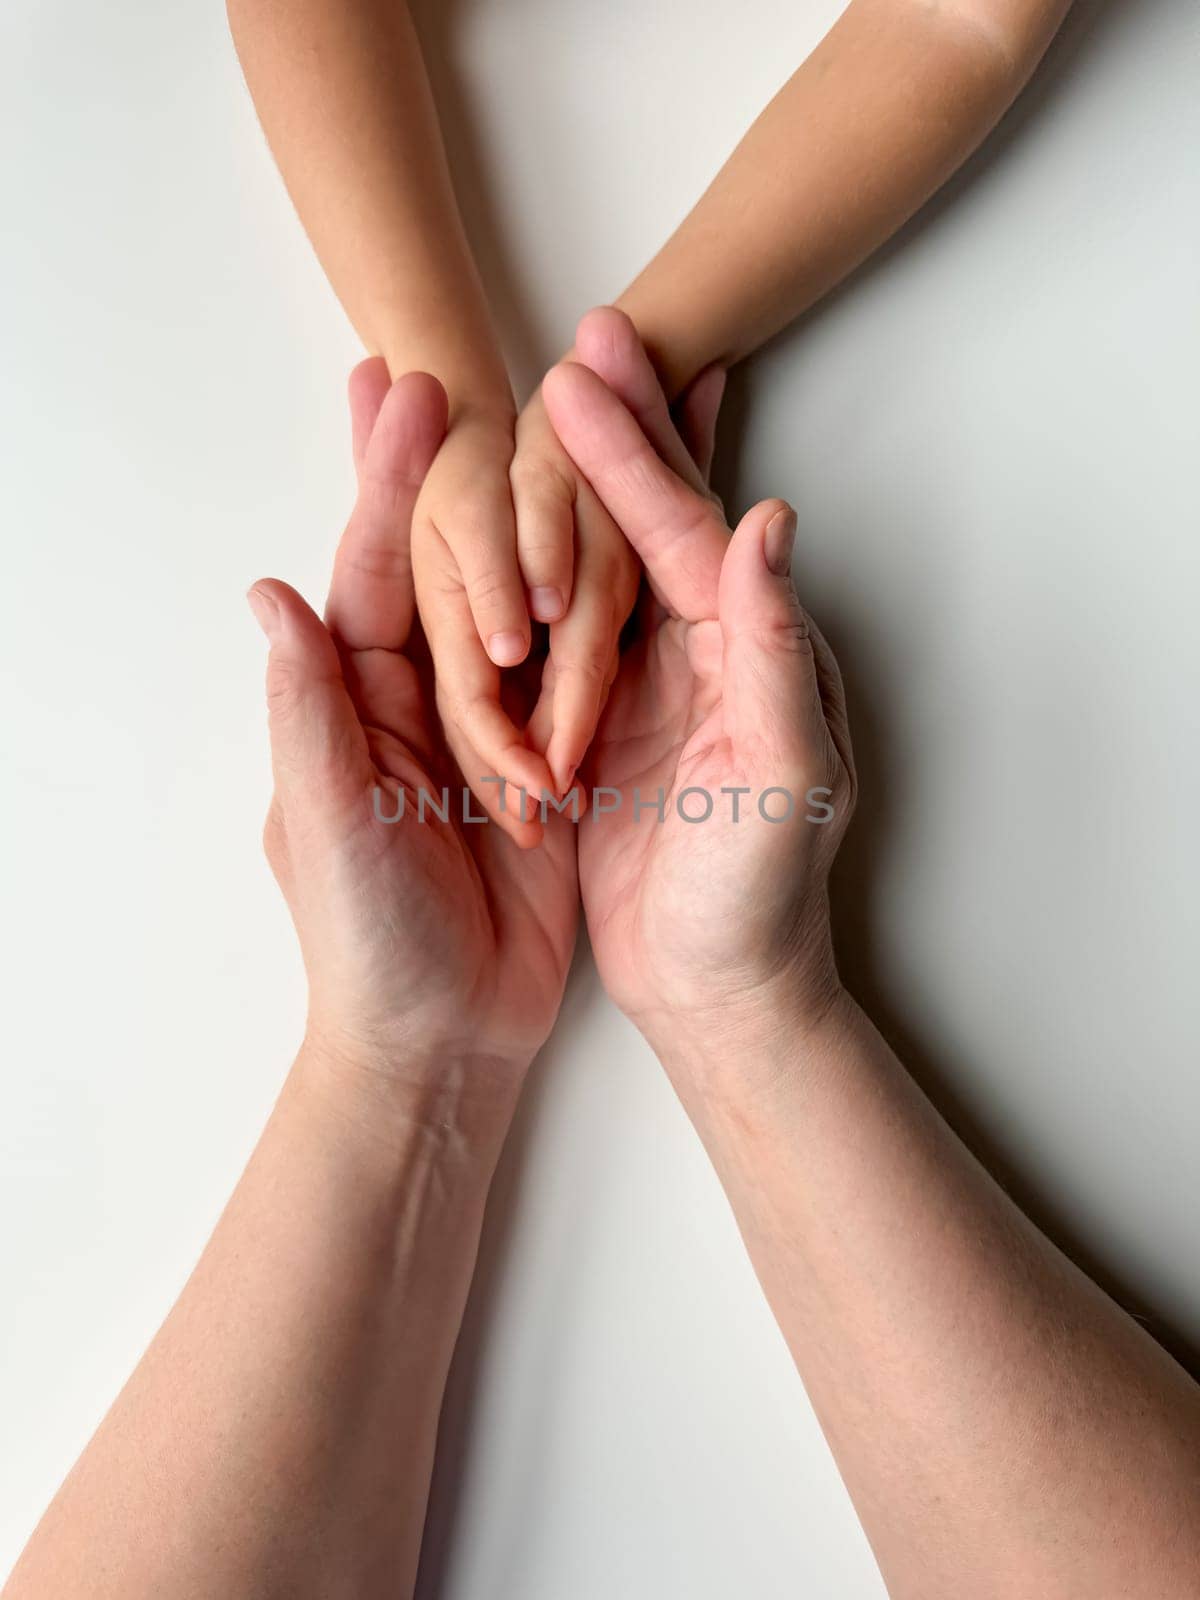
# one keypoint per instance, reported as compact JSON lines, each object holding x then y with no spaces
{"x":456,"y":1103}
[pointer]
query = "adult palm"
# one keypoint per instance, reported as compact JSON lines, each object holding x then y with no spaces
{"x":727,"y":694}
{"x":430,"y":934}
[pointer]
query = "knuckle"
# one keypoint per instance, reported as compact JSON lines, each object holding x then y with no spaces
{"x":588,"y":666}
{"x":285,"y":688}
{"x":458,"y":702}
{"x":786,"y":635}
{"x":468,"y":711}
{"x":634,"y":477}
{"x":491,"y":589}
{"x":436,"y":573}
{"x":385,"y":499}
{"x":545,"y":558}
{"x":382,"y":561}
{"x":478,"y":530}
{"x":533,"y":477}
{"x":793,"y":637}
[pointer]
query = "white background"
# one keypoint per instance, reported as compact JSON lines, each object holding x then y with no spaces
{"x":992,"y":439}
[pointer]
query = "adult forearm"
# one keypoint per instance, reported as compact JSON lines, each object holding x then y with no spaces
{"x":278,"y":1436}
{"x":1004,"y":1429}
{"x":890,"y":103}
{"x":343,"y":96}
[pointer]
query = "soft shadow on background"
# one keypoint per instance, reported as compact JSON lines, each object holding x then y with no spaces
{"x":882,"y":774}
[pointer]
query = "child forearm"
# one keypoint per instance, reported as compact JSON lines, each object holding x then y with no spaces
{"x":890,"y":103}
{"x":342,"y":93}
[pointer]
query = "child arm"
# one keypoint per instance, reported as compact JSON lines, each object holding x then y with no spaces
{"x":342,"y":93}
{"x":892,"y":101}
{"x":341,"y":90}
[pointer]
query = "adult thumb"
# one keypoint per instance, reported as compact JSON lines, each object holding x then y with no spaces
{"x":317,"y":742}
{"x":770,"y":691}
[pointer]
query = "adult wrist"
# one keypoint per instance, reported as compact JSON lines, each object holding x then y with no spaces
{"x":725,"y":1051}
{"x":432,"y":1090}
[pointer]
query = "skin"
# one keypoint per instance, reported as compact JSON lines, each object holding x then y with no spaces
{"x":1004,"y":1429}
{"x":806,"y":197}
{"x":278,"y":1436}
{"x":343,"y":97}
{"x":507,"y":528}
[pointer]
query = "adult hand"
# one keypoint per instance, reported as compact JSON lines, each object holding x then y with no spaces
{"x":429,"y":942}
{"x":729,"y":692}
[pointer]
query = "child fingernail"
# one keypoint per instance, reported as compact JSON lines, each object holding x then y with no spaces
{"x":546,"y":603}
{"x":778,"y":539}
{"x":506,"y":648}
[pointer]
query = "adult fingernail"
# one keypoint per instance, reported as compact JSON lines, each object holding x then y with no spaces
{"x":266,"y":611}
{"x":506,"y":648}
{"x":778,"y":540}
{"x":546,"y":603}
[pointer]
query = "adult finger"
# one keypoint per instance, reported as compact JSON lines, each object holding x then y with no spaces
{"x":696,"y":413}
{"x":675,"y":530}
{"x":772,"y":702}
{"x":368,"y":387}
{"x":833,"y":700}
{"x":607,"y":342}
{"x":371,"y":605}
{"x":317,"y":743}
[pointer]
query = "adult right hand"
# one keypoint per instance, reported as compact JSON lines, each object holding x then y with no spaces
{"x":702,"y":927}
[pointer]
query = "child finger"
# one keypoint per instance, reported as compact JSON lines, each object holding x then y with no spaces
{"x":583,"y":647}
{"x":544,"y":502}
{"x":488,"y":746}
{"x":510,"y":798}
{"x":483,"y":541}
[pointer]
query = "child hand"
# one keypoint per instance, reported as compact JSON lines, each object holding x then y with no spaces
{"x":569,"y":543}
{"x":472,"y":604}
{"x":550,"y":494}
{"x":503,"y":532}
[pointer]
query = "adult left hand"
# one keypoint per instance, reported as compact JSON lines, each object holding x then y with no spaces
{"x":426,"y":942}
